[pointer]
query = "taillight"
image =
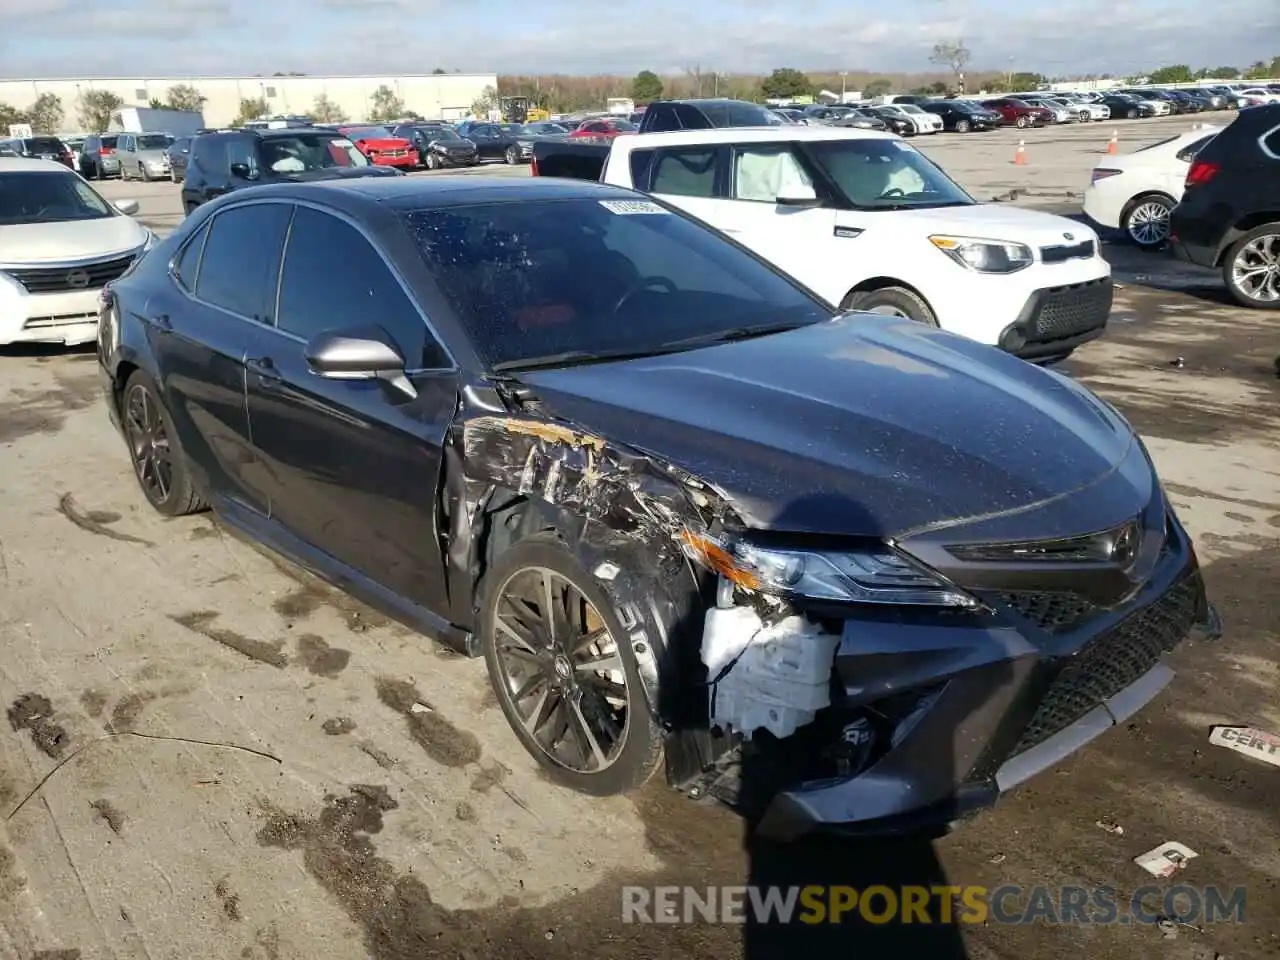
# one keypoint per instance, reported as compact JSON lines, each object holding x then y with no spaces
{"x":1201,"y":172}
{"x":106,"y":152}
{"x":1101,"y":173}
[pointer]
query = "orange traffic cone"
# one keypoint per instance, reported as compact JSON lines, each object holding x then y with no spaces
{"x":1020,"y":155}
{"x":1114,"y":144}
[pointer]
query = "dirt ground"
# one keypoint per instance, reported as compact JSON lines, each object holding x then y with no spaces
{"x":210,"y":755}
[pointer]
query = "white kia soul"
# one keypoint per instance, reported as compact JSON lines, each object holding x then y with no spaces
{"x":870,"y":223}
{"x":60,"y":244}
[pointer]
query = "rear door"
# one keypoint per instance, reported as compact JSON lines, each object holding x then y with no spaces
{"x":693,"y":178}
{"x":223,"y":290}
{"x":353,"y":464}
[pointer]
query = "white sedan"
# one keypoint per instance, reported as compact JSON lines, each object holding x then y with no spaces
{"x":1085,"y":110}
{"x":60,"y":244}
{"x":922,"y":120}
{"x":1059,"y":110}
{"x":1135,"y":192}
{"x":1259,"y":95}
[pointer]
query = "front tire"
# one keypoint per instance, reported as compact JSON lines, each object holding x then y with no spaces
{"x":1145,"y":220}
{"x":1251,"y":268}
{"x":159,"y":462}
{"x":962,"y":126}
{"x":1022,"y":122}
{"x":893,"y":302}
{"x":568,"y":684}
{"x":512,"y":156}
{"x":433,"y":162}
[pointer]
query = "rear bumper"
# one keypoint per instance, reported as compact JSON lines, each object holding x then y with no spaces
{"x":1000,"y":702}
{"x":1057,"y":320}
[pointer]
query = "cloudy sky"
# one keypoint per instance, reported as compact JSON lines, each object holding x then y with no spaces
{"x":63,"y":38}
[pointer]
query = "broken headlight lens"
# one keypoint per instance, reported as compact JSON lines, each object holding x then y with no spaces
{"x":985,"y":256}
{"x":878,"y":575}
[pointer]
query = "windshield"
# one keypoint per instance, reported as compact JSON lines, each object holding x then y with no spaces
{"x":366,"y":133}
{"x":153,"y":141}
{"x":545,"y":127}
{"x":622,"y":126}
{"x":659,"y":282}
{"x":39,"y":197}
{"x":302,"y":152}
{"x":44,"y":145}
{"x":885,"y":175}
{"x":439,"y":133}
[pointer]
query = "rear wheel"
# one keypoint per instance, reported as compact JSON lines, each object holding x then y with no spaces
{"x":1145,"y":220}
{"x":893,"y":302}
{"x":1251,"y":268}
{"x":159,"y":462}
{"x":563,"y":670}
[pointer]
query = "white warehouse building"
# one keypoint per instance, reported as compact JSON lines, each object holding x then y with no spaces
{"x":446,"y":96}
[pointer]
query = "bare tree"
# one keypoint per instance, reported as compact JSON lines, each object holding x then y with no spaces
{"x":953,"y":55}
{"x":694,"y":73}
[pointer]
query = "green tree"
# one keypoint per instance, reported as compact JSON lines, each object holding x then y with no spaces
{"x":1177,"y":73}
{"x":877,"y":88}
{"x":1258,"y":71}
{"x":646,"y":86}
{"x":385,"y":105}
{"x":487,"y":100}
{"x":786,"y":82}
{"x":324,"y":110}
{"x":95,"y":108}
{"x":953,"y":55}
{"x":1220,"y":73}
{"x":1025,"y":81}
{"x":183,"y":96}
{"x":251,"y":110}
{"x":8,"y":115}
{"x":46,"y":114}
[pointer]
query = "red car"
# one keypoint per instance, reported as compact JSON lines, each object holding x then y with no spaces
{"x":1019,"y":113}
{"x":605,"y":129}
{"x":381,"y":148}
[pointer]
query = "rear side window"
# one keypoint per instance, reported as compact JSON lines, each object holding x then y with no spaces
{"x":188,"y":262}
{"x":211,"y":153}
{"x":241,"y":259}
{"x":1271,"y":144}
{"x":685,"y":173}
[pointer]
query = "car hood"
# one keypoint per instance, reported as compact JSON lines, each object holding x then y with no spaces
{"x":865,"y":425}
{"x":993,"y":221}
{"x":69,"y":240}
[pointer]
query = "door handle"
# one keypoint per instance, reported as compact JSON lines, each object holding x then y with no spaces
{"x":161,"y":321}
{"x":264,"y":367}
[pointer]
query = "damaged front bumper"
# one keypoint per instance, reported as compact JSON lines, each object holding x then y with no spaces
{"x":957,"y":709}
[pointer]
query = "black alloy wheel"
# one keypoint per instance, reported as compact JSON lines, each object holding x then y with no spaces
{"x":564,"y":672}
{"x":158,"y":460}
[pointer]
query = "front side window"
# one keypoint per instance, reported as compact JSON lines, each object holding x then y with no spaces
{"x":659,"y":281}
{"x":153,"y":141}
{"x":241,"y":259}
{"x":304,"y":152}
{"x":334,"y":279}
{"x":885,"y":175}
{"x":39,"y":197}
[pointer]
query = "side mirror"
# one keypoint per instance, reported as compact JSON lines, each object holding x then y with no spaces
{"x":365,"y":354}
{"x":127,"y":207}
{"x":244,"y":171}
{"x":796,"y":195}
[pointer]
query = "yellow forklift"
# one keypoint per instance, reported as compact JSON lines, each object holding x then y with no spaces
{"x":521,"y":110}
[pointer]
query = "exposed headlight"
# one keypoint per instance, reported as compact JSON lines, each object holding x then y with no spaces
{"x":877,"y":575}
{"x":984,"y":256}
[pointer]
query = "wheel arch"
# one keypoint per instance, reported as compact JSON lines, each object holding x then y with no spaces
{"x":1242,"y":226}
{"x":872,"y":284}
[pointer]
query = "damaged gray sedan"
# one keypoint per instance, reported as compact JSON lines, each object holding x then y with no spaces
{"x":835,"y":570}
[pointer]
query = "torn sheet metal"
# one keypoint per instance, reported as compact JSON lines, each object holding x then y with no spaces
{"x":1250,"y":741}
{"x":775,"y":676}
{"x":1166,"y":860}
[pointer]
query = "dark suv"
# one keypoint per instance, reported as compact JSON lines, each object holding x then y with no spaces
{"x":230,"y":160}
{"x":1229,"y":216}
{"x":41,"y":148}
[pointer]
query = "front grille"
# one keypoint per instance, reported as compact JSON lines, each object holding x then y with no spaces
{"x":1060,"y":254}
{"x":67,"y":279}
{"x":1113,"y":660}
{"x":1074,"y":309}
{"x":1053,"y":612}
{"x":61,"y":320}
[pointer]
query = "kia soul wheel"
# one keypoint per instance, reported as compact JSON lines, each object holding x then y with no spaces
{"x":563,"y":670}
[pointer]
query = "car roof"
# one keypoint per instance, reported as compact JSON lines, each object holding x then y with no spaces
{"x":24,"y":165}
{"x":410,"y":193}
{"x":752,"y":135}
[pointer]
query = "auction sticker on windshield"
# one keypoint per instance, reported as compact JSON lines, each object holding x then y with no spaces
{"x":632,"y":206}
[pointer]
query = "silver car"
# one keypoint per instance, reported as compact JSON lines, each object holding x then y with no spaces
{"x":144,"y":155}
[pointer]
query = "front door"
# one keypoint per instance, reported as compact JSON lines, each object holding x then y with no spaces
{"x":354,"y":464}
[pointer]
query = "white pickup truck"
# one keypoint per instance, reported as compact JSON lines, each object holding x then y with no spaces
{"x":869,"y":223}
